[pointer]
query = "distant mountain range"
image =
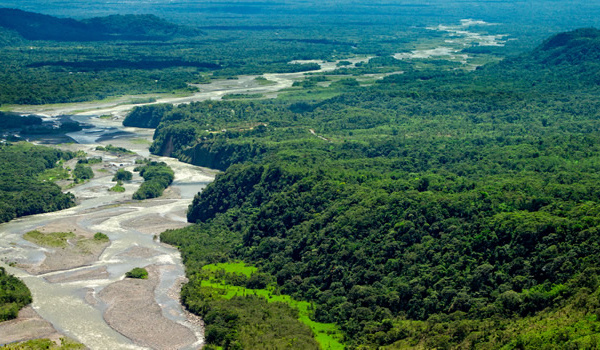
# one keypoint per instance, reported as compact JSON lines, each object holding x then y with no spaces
{"x":35,"y":26}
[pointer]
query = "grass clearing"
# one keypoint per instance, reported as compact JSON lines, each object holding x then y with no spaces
{"x":54,"y":239}
{"x":235,"y":267}
{"x":54,"y":174}
{"x":67,"y":240}
{"x":328,"y":335}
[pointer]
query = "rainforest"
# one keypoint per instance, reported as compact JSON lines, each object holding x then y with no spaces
{"x":400,"y":176}
{"x":429,"y":209}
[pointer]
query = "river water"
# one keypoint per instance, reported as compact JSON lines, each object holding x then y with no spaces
{"x":67,"y":300}
{"x":70,"y":303}
{"x":72,"y":307}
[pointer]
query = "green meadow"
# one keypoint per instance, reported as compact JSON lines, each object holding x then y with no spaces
{"x":328,"y":335}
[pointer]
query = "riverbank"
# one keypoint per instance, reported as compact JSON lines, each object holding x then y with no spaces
{"x":116,"y":313}
{"x":81,"y":250}
{"x":133,"y":312}
{"x":27,"y":326}
{"x":67,"y":282}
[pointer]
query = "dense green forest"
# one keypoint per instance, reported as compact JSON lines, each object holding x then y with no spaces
{"x":14,"y":294}
{"x":47,"y":59}
{"x":23,"y":189}
{"x":42,"y":63}
{"x":434,"y":209}
{"x":35,"y":26}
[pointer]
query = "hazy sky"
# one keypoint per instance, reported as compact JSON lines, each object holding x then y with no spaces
{"x":562,"y":14}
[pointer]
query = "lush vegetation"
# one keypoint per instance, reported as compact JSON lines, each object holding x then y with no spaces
{"x":245,"y":322}
{"x":241,"y":96}
{"x":101,"y":237}
{"x":92,"y":160}
{"x":34,"y":26}
{"x":14,"y":294}
{"x":238,"y":322}
{"x":118,"y":187}
{"x":137,"y":272}
{"x":45,"y":344}
{"x":432,"y":209}
{"x":74,"y":69}
{"x":14,"y":126}
{"x":14,"y":121}
{"x":127,"y":53}
{"x":122,"y":175}
{"x":114,"y":149}
{"x":157,"y":176}
{"x":22,"y":191}
{"x":82,"y":173}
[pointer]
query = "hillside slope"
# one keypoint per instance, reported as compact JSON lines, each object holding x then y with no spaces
{"x":431,"y":209}
{"x":35,"y":26}
{"x":566,"y":62}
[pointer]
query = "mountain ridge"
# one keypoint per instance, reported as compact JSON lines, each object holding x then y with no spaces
{"x":572,"y":48}
{"x":36,"y":26}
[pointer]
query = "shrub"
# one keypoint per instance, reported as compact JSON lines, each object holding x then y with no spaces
{"x":101,"y":237}
{"x":122,"y":175}
{"x":83,"y":172}
{"x":137,"y":272}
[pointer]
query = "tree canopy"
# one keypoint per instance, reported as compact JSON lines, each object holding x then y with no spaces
{"x":433,"y":198}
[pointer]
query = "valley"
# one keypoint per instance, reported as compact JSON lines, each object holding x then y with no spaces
{"x":77,"y":278}
{"x":399,"y":176}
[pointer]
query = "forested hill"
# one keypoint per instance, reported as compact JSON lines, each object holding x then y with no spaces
{"x":563,"y":63}
{"x":432,"y":209}
{"x":35,"y":26}
{"x":572,"y":48}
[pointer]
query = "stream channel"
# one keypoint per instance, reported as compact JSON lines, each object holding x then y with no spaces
{"x":81,"y":297}
{"x":67,"y":292}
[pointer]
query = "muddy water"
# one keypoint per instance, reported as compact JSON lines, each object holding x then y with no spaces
{"x":213,"y":91}
{"x":73,"y":307}
{"x":459,"y":37}
{"x":70,"y":302}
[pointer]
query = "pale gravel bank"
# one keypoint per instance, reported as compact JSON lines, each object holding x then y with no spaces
{"x":72,"y":256}
{"x":29,"y":325}
{"x":79,"y":275}
{"x":132,"y":311}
